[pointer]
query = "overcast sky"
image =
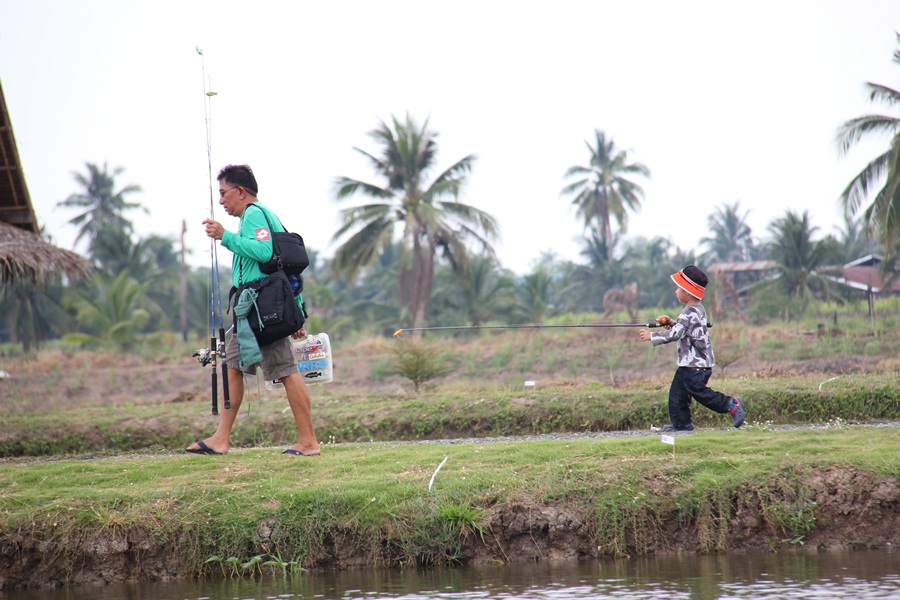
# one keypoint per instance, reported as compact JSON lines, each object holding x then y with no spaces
{"x":723,"y":101}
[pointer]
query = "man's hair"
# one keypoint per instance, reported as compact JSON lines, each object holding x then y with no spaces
{"x":696,"y":275}
{"x":241,"y":175}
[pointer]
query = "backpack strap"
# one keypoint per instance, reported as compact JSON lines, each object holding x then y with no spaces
{"x":276,"y":254}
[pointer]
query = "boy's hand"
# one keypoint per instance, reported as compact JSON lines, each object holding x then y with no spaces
{"x":645,"y":335}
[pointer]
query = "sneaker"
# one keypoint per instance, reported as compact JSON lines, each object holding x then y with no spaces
{"x":669,"y":427}
{"x":737,"y":412}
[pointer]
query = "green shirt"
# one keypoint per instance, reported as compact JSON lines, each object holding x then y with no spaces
{"x":252,"y":244}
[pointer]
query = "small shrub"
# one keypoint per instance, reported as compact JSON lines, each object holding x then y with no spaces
{"x":418,"y":362}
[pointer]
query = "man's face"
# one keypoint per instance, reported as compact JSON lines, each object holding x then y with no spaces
{"x":231,"y":198}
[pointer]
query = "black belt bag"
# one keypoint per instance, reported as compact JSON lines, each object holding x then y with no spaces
{"x":276,"y":314}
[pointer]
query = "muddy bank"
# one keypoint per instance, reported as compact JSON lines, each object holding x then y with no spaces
{"x":836,"y":508}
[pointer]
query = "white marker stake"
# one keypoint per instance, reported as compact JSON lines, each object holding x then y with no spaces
{"x":669,"y":439}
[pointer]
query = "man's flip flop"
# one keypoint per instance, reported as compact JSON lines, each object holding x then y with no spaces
{"x":293,"y":452}
{"x":203,"y":449}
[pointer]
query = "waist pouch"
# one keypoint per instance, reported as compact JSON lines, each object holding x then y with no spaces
{"x":275,"y":314}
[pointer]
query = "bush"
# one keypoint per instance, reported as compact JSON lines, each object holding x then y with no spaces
{"x":418,"y":362}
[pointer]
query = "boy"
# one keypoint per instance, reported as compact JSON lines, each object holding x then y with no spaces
{"x":695,"y":356}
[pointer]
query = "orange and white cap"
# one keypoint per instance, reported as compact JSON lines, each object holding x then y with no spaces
{"x":684,"y":282}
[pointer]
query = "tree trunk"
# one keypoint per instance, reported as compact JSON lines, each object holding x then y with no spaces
{"x":182,"y":287}
{"x":425,"y":275}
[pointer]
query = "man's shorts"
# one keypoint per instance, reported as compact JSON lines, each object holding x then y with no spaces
{"x":277,"y":359}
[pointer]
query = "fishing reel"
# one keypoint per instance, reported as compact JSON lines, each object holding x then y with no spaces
{"x":668,"y":322}
{"x":204,"y":356}
{"x":664,"y":321}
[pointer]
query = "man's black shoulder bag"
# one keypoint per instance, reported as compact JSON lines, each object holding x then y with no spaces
{"x":288,"y":252}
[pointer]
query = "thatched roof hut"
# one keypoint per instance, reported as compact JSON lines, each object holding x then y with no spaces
{"x":25,"y":258}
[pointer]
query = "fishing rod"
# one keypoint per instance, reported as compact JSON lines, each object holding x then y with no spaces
{"x":209,"y":356}
{"x":663,"y":321}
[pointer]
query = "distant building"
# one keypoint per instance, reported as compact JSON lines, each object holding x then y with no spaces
{"x":864,"y":274}
{"x":742,"y":276}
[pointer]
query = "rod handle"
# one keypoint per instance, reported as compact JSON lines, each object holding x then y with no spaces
{"x":214,"y":379}
{"x":225,"y":391}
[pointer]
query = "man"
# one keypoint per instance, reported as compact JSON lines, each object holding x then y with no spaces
{"x":251,"y":245}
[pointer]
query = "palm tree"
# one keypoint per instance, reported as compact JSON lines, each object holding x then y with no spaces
{"x":429,"y":216}
{"x":534,"y":296}
{"x":731,"y":239}
{"x":103,"y":206}
{"x":481,"y":294}
{"x":114,"y":311}
{"x":30,"y":314}
{"x":602,"y":190}
{"x":797,"y":257}
{"x":854,"y":239}
{"x":881,"y":176}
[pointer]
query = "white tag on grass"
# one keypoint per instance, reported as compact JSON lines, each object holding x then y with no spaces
{"x":667,"y":439}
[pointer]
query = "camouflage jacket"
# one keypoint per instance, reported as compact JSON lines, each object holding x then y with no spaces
{"x":694,"y":346}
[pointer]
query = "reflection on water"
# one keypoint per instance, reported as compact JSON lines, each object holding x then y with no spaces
{"x":851,"y":576}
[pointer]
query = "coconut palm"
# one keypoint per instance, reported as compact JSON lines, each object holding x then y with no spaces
{"x":114,"y":311}
{"x":534,"y":296}
{"x":103,"y":206}
{"x":483,"y":293}
{"x":602,"y":190}
{"x":879,"y":182}
{"x":731,"y":239}
{"x":797,"y":257}
{"x":31,"y":315}
{"x":429,"y":217}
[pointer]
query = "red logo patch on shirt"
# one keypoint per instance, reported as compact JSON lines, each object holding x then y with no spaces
{"x":262,"y":234}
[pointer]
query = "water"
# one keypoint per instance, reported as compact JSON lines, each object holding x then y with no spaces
{"x":849,"y":576}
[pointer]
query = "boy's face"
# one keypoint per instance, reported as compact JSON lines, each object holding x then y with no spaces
{"x":683,"y":296}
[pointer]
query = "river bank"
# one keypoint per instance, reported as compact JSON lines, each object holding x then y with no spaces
{"x":160,"y":516}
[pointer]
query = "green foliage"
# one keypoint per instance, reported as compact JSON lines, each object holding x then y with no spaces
{"x":418,"y":362}
{"x":113,"y":313}
{"x":875,"y":191}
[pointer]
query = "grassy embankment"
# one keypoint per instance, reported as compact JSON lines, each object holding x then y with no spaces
{"x":449,"y":412}
{"x":117,"y":498}
{"x":370,"y":504}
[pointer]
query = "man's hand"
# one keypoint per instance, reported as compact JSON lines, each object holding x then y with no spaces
{"x":214,"y":229}
{"x":299,"y":334}
{"x":645,"y":335}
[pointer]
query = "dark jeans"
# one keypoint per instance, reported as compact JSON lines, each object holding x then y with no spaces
{"x":690,"y":382}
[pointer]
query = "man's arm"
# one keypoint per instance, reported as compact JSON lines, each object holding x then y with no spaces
{"x":253,"y":239}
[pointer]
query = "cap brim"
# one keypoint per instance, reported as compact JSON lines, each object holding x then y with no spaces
{"x":687,"y":285}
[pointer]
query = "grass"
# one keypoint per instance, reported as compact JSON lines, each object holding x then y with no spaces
{"x":255,"y":503}
{"x":461,"y":409}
